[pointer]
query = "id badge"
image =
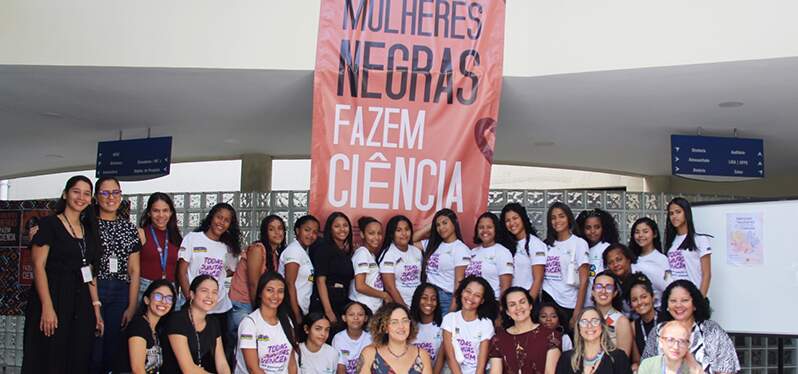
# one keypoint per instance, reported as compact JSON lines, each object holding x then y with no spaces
{"x":113,"y":264}
{"x":85,"y":271}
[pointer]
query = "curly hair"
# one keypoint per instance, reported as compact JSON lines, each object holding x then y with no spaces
{"x":378,"y":326}
{"x":609,"y":228}
{"x":231,"y":237}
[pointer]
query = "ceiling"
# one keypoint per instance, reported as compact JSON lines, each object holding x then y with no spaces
{"x":617,"y":121}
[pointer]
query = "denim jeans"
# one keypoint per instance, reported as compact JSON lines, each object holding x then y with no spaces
{"x":445,"y":300}
{"x":114,"y":295}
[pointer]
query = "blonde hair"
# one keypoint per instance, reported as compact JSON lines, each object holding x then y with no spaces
{"x":579,"y":344}
{"x":378,"y":325}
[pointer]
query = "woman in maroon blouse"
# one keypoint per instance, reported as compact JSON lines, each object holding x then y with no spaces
{"x":160,"y":240}
{"x":525,"y":346}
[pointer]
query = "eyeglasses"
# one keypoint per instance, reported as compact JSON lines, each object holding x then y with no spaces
{"x":107,"y":194}
{"x":159,"y":297}
{"x":671,"y":341}
{"x":593,"y":322}
{"x":398,"y":322}
{"x":598,"y":287}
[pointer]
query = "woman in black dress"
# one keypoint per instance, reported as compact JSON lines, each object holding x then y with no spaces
{"x":63,"y":313}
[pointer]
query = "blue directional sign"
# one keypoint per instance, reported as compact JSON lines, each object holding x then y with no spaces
{"x":134,"y":159}
{"x":716,"y":158}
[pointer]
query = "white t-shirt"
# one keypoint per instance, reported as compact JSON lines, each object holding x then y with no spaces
{"x":364,"y":263}
{"x":596,"y":260}
{"x":429,"y":338}
{"x":440,"y":266}
{"x":490,"y":263}
{"x":206,"y":256}
{"x":522,"y":277}
{"x":466,"y":337}
{"x":349,"y":350}
{"x":294,"y":253}
{"x":557,"y":258}
{"x":686,"y":264}
{"x":274,"y":349}
{"x":406,"y":267}
{"x":325,"y":361}
{"x":654,"y":265}
{"x":567,"y":344}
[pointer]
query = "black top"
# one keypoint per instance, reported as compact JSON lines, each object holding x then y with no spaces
{"x":64,"y":256}
{"x":139,"y":327}
{"x":642,"y":329}
{"x":178,"y":323}
{"x":616,"y":362}
{"x":332,"y":263}
{"x":118,"y":238}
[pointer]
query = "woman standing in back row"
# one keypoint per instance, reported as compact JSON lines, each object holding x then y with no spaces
{"x":160,"y":241}
{"x":689,"y":253}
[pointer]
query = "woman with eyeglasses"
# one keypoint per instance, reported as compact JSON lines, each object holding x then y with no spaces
{"x":606,"y":296}
{"x":710,"y":345}
{"x":117,"y":271}
{"x":392,"y":330}
{"x":676,"y":358}
{"x":594,"y":351}
{"x":141,"y":352}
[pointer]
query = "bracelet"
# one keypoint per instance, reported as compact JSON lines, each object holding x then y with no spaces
{"x":97,"y":303}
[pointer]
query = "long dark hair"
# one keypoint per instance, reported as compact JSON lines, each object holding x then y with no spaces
{"x":231,"y":237}
{"x":156,"y":284}
{"x":551,"y":235}
{"x":172,"y":230}
{"x":264,"y":239}
{"x":618,"y":294}
{"x":328,"y":234}
{"x":435,"y":238}
{"x":702,"y":311}
{"x":528,"y":228}
{"x":502,"y":236}
{"x":195,"y":284}
{"x":488,"y":309}
{"x":60,"y":204}
{"x":87,"y":217}
{"x":283,"y":310}
{"x":670,"y":231}
{"x":657,"y":241}
{"x":609,"y":228}
{"x":301,"y":221}
{"x":415,"y":305}
{"x":508,"y":321}
{"x":390,"y":232}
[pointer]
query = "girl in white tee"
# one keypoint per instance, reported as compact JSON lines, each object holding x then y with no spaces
{"x":400,"y":261}
{"x":351,"y":341}
{"x":646,"y":245}
{"x":318,"y":357}
{"x":426,"y":313}
{"x":491,"y":260}
{"x":367,"y":285}
{"x":529,"y":252}
{"x":296,"y":266}
{"x":599,"y":229}
{"x":689,"y":254}
{"x":467,"y":332}
{"x":445,"y":255}
{"x":266,"y":341}
{"x":563,"y":248}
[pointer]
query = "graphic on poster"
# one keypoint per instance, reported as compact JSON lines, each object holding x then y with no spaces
{"x":745,"y":239}
{"x":9,"y":228}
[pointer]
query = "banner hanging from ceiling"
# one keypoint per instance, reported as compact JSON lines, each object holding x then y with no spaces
{"x":405,"y":106}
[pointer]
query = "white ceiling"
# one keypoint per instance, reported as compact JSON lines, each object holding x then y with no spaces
{"x":619,"y":121}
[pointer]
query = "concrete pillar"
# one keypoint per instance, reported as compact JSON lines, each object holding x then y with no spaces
{"x":256,"y":172}
{"x":657,"y":184}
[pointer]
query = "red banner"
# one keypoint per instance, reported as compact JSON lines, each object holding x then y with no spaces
{"x":405,"y":105}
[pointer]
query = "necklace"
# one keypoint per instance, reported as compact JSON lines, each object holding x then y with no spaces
{"x":199,"y":354}
{"x":396,"y":355}
{"x":592,"y":361}
{"x":520,"y":352}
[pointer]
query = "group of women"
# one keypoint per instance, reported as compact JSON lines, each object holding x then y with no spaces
{"x":112,"y":296}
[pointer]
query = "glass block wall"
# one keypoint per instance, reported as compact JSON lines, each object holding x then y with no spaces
{"x":757,"y":354}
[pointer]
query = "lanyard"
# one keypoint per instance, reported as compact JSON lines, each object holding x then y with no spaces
{"x":162,"y":250}
{"x":643,"y":327}
{"x":199,"y":351}
{"x":81,"y":241}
